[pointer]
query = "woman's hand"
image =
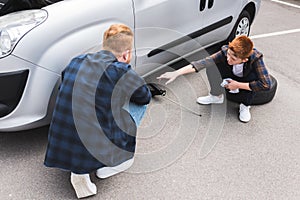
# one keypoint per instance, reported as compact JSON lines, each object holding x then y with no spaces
{"x":171,"y":76}
{"x":232,"y":85}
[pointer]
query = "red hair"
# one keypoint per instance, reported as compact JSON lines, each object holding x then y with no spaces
{"x":118,"y":38}
{"x":242,"y":46}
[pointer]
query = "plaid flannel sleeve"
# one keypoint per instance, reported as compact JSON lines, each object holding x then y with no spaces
{"x":208,"y":61}
{"x":264,"y":81}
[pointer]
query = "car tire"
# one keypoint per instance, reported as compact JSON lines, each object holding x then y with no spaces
{"x":242,"y":26}
{"x":261,"y":97}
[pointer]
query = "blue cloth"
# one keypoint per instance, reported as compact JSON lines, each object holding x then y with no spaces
{"x":137,"y":112}
{"x":90,"y":128}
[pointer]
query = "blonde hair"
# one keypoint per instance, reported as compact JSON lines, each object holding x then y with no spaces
{"x":118,"y":38}
{"x":242,"y":46}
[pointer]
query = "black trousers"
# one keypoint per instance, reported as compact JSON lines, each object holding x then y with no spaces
{"x":217,"y":73}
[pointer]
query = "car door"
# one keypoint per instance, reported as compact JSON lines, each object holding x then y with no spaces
{"x":219,"y":17}
{"x":161,"y":26}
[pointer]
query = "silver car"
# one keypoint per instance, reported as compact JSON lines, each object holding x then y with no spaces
{"x":36,"y":44}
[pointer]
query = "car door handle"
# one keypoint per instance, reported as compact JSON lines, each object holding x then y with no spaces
{"x":202,"y":5}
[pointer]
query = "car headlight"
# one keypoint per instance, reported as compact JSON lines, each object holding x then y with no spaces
{"x":15,"y":25}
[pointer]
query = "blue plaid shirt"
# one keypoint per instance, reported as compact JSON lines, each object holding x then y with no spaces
{"x":90,"y":127}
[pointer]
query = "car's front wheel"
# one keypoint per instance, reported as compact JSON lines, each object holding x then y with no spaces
{"x":242,"y":26}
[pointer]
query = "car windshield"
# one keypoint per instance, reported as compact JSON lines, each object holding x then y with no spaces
{"x":9,"y":6}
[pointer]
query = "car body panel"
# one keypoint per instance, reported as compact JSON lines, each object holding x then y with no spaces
{"x":82,"y":31}
{"x":159,"y":24}
{"x":32,"y":104}
{"x":219,"y":10}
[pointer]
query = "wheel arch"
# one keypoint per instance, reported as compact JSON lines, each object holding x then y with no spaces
{"x":251,"y":9}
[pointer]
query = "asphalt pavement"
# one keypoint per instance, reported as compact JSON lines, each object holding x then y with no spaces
{"x":181,"y":155}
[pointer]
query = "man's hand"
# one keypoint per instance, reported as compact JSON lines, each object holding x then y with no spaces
{"x":171,"y":76}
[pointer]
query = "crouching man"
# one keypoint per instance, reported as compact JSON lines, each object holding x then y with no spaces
{"x":100,"y":103}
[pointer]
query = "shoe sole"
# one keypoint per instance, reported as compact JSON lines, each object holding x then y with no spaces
{"x":106,"y":172}
{"x":244,"y":121}
{"x":209,"y":103}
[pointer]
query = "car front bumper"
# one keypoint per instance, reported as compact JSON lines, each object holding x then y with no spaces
{"x":27,"y":93}
{"x":12,"y":86}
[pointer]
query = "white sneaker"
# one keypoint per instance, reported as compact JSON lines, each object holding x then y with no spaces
{"x":245,"y":114}
{"x":106,"y":172}
{"x":211,"y":99}
{"x":82,"y":185}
